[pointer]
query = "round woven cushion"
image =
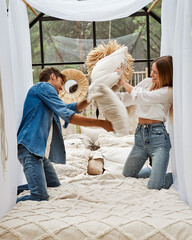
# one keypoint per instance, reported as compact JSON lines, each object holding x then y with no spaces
{"x":82,"y":81}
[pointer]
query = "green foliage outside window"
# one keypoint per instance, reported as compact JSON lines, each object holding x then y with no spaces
{"x":70,"y":41}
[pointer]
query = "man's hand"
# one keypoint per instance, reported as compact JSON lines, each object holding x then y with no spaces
{"x":108,"y":126}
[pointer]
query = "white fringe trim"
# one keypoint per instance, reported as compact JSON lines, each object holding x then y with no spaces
{"x":3,"y":138}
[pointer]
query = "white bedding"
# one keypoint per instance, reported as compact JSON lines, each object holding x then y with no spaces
{"x":103,"y":207}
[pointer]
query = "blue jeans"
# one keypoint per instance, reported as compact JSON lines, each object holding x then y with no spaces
{"x":151,"y":140}
{"x":39,"y":173}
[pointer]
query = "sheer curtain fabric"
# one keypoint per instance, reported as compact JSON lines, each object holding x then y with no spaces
{"x":88,"y":10}
{"x":16,"y":78}
{"x":8,"y":178}
{"x":177,"y":41}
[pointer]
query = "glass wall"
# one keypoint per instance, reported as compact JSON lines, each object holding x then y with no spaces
{"x":66,"y":44}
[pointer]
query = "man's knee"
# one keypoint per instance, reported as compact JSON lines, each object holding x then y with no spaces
{"x":40,"y":198}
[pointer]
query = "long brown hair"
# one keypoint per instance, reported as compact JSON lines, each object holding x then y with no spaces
{"x":165,"y":69}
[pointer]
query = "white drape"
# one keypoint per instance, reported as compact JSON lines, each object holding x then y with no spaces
{"x":20,"y":54}
{"x":88,"y":10}
{"x":9,"y":183}
{"x":16,"y":77}
{"x":177,"y":41}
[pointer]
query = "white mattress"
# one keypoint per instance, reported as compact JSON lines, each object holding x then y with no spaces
{"x":103,"y":207}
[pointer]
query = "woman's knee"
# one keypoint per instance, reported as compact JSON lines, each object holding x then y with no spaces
{"x":155,"y":184}
{"x":128,"y":172}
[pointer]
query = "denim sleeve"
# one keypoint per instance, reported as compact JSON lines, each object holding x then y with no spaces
{"x":73,"y":106}
{"x":48,"y":95}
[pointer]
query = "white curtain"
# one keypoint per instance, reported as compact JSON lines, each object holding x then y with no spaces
{"x":16,"y":78}
{"x":177,"y":41}
{"x":88,"y":10}
{"x":20,"y":54}
{"x":8,"y":178}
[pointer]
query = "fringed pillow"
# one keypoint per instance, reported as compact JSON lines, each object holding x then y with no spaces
{"x":111,"y":106}
{"x":109,"y":64}
{"x":105,"y":58}
{"x":104,"y":70}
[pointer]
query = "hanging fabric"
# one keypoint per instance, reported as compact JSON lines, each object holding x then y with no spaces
{"x":88,"y":10}
{"x":8,"y":178}
{"x":177,"y":41}
{"x":3,"y":138}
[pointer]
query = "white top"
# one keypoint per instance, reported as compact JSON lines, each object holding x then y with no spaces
{"x":153,"y":105}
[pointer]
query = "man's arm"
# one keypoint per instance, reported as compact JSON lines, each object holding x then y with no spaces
{"x":82,"y":105}
{"x":91,"y":122}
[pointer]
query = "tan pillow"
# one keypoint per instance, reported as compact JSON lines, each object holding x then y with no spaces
{"x":112,"y":107}
{"x":95,"y":166}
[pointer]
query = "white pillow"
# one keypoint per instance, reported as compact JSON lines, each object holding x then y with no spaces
{"x":112,"y":108}
{"x":76,"y":140}
{"x":76,"y":163}
{"x":114,"y":158}
{"x":92,"y":133}
{"x":109,"y":64}
{"x":109,"y":80}
{"x":74,"y":143}
{"x":106,"y":140}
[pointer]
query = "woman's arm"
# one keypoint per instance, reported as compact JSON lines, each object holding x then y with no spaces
{"x":159,"y":96}
{"x":128,"y":87}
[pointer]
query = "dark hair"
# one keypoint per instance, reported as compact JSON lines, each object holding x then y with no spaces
{"x":45,"y":74}
{"x":165,"y":69}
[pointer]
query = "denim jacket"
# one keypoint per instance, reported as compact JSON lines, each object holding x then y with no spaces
{"x":43,"y":107}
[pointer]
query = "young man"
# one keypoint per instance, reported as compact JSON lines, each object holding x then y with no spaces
{"x":43,"y":107}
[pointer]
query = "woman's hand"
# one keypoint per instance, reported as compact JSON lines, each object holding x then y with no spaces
{"x":121,"y":82}
{"x":120,"y":69}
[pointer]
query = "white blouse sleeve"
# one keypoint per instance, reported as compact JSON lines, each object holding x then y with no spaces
{"x":142,"y":95}
{"x":127,"y":98}
{"x":162,"y":95}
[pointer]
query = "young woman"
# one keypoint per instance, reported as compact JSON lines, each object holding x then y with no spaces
{"x":153,"y":100}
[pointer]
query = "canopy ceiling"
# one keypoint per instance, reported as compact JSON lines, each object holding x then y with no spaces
{"x":88,"y":10}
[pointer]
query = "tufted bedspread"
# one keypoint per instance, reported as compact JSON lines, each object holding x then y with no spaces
{"x":103,"y":207}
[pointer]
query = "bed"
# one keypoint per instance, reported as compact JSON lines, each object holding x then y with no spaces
{"x":105,"y":207}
